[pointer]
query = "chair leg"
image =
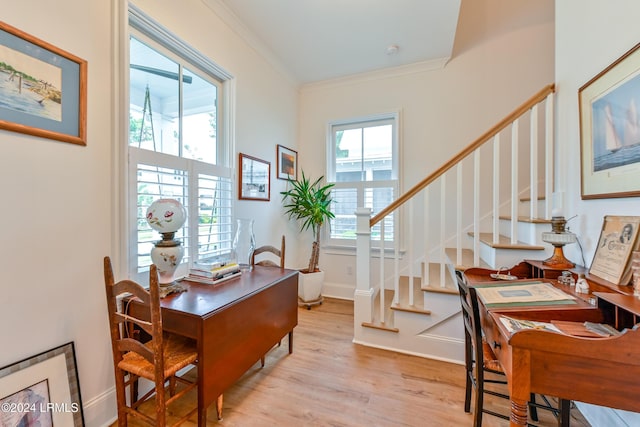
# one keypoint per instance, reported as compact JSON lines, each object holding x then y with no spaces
{"x":121,"y":399}
{"x":262,"y":362}
{"x":467,"y":394}
{"x":468,"y":366}
{"x":161,"y":404}
{"x":564,"y":417}
{"x":478,"y":406}
{"x":291,"y":342}
{"x":532,"y":409}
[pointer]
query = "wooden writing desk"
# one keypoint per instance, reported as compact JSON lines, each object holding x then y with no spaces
{"x":602,"y":371}
{"x":235,"y":323}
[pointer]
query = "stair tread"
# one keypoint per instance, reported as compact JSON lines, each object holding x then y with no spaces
{"x":380,"y":326}
{"x":387,"y":323}
{"x":528,"y":199}
{"x":504,"y":242}
{"x":434,"y":285}
{"x":403,"y":297}
{"x":467,"y":259}
{"x":440,"y":290}
{"x":524,"y":218}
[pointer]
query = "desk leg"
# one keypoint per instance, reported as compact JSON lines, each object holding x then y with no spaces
{"x":219,"y":404}
{"x":202,"y":415}
{"x":518,"y":412}
{"x":290,"y":342}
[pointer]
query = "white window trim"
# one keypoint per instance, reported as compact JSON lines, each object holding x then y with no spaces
{"x":344,"y":247}
{"x":356,"y":121}
{"x":127,"y":15}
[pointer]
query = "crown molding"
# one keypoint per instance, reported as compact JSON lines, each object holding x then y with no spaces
{"x":228,"y":16}
{"x":385,"y":73}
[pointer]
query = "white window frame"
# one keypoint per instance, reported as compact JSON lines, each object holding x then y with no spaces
{"x":361,"y":187}
{"x":145,"y":28}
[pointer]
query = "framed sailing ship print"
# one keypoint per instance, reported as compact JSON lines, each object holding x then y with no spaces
{"x":610,"y":130}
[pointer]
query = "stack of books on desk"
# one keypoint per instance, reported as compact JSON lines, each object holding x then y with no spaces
{"x":215,"y":274}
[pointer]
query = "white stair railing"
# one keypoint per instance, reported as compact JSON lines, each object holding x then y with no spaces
{"x":453,"y":226}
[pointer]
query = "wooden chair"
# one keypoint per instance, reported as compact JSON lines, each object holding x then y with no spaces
{"x":158,"y":360}
{"x":480,"y":360}
{"x":269,"y":249}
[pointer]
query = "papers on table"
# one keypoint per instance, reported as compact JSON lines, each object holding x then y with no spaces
{"x":530,"y":292}
{"x":514,"y":325}
{"x":577,"y":329}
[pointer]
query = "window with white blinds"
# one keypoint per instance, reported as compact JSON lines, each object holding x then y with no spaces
{"x":363,"y":165}
{"x":176,"y":145}
{"x":206,"y":192}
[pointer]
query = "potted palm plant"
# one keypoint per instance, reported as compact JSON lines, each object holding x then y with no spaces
{"x":309,"y":202}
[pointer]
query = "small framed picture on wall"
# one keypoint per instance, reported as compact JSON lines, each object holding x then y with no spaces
{"x":287,"y":161}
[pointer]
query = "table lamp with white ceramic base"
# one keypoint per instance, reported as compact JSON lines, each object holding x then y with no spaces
{"x":166,"y":216}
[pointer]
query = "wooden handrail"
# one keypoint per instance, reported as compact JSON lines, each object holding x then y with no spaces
{"x":526,"y":106}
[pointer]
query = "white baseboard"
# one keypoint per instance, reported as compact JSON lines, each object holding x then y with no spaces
{"x":338,"y":290}
{"x":101,"y":411}
{"x":602,"y":416}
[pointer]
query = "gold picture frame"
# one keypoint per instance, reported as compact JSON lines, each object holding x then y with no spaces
{"x":618,"y":239}
{"x":44,"y":88}
{"x":609,"y":107}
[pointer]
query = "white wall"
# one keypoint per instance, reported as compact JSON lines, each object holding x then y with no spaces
{"x":498,"y":67}
{"x":57,"y":209}
{"x":58,"y":213}
{"x":590,"y":35}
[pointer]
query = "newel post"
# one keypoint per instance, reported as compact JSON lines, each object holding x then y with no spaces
{"x":363,"y":297}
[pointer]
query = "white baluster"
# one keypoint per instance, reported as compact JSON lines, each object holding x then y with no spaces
{"x":382,"y":270}
{"x":514,"y":180}
{"x":476,"y":207}
{"x":443,"y":204}
{"x":427,"y":221}
{"x":459,"y":214}
{"x":533,"y":144}
{"x":549,"y":154}
{"x":496,"y":188}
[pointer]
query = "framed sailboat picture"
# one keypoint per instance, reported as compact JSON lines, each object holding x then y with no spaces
{"x":43,"y":89}
{"x":610,"y":130}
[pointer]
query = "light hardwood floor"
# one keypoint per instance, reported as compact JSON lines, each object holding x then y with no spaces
{"x":329,"y":381}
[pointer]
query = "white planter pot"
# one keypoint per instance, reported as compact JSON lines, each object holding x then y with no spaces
{"x":310,"y":286}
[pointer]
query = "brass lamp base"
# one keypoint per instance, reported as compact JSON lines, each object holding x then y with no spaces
{"x":558,"y":260}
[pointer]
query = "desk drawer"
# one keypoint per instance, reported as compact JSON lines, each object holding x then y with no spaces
{"x":496,"y":340}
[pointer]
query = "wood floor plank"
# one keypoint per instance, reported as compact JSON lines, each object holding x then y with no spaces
{"x":330,"y":381}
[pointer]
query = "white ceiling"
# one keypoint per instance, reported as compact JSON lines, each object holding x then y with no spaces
{"x":315,"y":40}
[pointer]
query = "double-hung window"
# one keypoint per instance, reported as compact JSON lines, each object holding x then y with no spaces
{"x":363,"y":164}
{"x":177,"y":147}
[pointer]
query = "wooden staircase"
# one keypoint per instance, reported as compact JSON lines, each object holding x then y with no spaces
{"x":422,"y":290}
{"x":420,"y":313}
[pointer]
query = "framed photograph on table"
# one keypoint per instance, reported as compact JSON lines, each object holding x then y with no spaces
{"x":287,"y":163}
{"x":255,"y":178}
{"x":42,"y":390}
{"x":618,"y":239}
{"x":43,"y":88}
{"x":610,"y":130}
